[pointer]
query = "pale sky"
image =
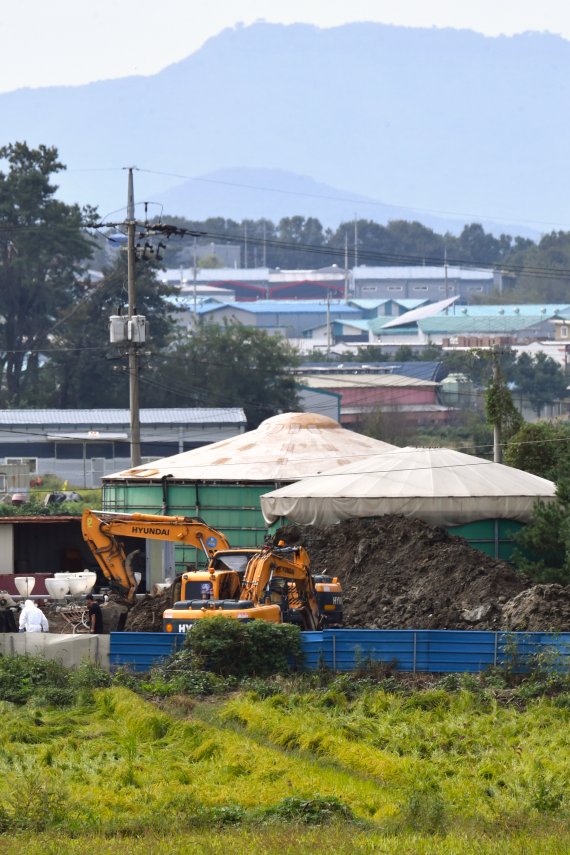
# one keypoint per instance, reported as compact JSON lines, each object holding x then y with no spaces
{"x":71,"y":42}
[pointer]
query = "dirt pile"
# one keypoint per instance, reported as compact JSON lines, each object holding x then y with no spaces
{"x":398,"y":572}
{"x":146,"y":614}
{"x":539,"y":609}
{"x":401,"y":573}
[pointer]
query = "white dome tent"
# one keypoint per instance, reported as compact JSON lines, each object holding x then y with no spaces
{"x":223,"y":482}
{"x":438,"y":485}
{"x":283,"y":448}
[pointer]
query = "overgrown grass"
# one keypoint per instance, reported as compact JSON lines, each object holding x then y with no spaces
{"x":462,"y":765}
{"x":289,"y":839}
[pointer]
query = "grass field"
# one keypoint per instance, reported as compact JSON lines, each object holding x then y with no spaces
{"x":288,"y":767}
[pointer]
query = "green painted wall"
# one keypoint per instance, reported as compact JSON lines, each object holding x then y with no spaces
{"x":235,"y":510}
{"x":232,"y":509}
{"x":494,"y":537}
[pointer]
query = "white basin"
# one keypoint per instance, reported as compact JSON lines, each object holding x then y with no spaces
{"x":57,"y":588}
{"x":24,"y":585}
{"x":81,"y":583}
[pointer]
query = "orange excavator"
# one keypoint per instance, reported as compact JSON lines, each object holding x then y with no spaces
{"x":271,"y":583}
{"x":102,"y":531}
{"x":277,"y":587}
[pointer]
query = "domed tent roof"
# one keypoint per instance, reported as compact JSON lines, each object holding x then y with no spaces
{"x":437,"y":485}
{"x":283,"y":448}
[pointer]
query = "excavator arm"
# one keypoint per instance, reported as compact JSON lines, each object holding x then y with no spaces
{"x":282,"y":574}
{"x":101,"y":530}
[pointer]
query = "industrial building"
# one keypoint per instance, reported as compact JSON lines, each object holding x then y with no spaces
{"x":82,"y":446}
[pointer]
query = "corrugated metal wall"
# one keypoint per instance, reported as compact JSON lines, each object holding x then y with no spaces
{"x":139,"y":651}
{"x":494,"y":537}
{"x":427,"y":650}
{"x":231,"y":508}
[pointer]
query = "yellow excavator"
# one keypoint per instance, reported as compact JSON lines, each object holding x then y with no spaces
{"x":277,"y":587}
{"x":102,"y":531}
{"x":271,"y":583}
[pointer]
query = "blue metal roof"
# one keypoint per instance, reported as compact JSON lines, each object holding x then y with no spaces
{"x":285,"y":307}
{"x":174,"y":415}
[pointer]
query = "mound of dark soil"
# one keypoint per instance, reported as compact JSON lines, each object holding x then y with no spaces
{"x":401,"y":573}
{"x":146,"y":614}
{"x":398,"y":572}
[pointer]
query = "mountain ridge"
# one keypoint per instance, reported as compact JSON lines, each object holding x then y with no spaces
{"x":422,"y":119}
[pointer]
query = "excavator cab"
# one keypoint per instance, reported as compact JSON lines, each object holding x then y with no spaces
{"x":328,"y":591}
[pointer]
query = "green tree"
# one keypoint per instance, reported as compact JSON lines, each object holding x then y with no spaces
{"x":308,"y":234}
{"x":42,"y":245}
{"x":83,"y":369}
{"x":499,"y":406}
{"x":539,"y":379}
{"x":543,"y":550}
{"x":542,"y":448}
{"x":477,"y":246}
{"x":227,"y":365}
{"x":536,"y":267}
{"x":543,"y":546}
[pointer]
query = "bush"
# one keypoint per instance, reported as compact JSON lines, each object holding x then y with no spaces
{"x":316,"y":811}
{"x":90,"y":676}
{"x":55,"y":696}
{"x":22,"y":677}
{"x":240,"y":649}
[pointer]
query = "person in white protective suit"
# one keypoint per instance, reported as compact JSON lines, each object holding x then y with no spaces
{"x":32,"y":619}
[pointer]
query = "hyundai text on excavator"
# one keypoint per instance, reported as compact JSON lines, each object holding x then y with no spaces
{"x":269,"y":583}
{"x":102,"y":531}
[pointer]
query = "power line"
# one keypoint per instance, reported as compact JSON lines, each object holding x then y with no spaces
{"x":383,"y":258}
{"x":357,"y":200}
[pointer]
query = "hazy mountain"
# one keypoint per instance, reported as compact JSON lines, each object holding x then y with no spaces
{"x":252,"y":193}
{"x":447,"y":121}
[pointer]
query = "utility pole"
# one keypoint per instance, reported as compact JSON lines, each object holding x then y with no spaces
{"x":130,"y":332}
{"x":355,"y":241}
{"x":135,"y":432}
{"x":445,"y":274}
{"x":328,"y":325}
{"x":345,"y":268}
{"x":194,"y":279}
{"x":264,"y":247}
{"x":497,"y":453}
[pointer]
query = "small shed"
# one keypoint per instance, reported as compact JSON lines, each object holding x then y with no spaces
{"x":41,"y":546}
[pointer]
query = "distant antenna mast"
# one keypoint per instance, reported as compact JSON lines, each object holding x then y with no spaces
{"x":355,"y":241}
{"x":346,"y":267}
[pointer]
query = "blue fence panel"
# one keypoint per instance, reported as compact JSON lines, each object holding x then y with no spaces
{"x":312,"y":647}
{"x":523,"y":651}
{"x":443,"y":651}
{"x":139,"y":651}
{"x":349,"y":649}
{"x":435,"y":651}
